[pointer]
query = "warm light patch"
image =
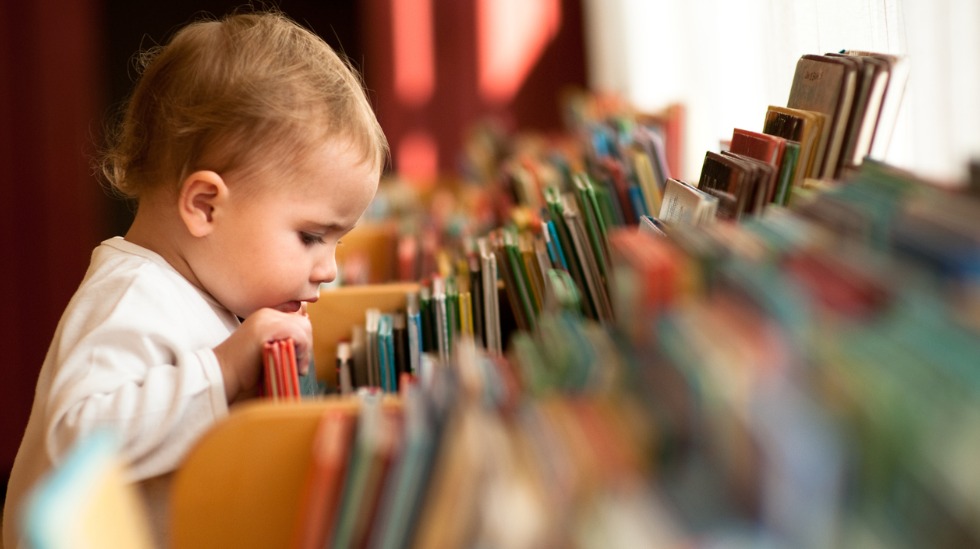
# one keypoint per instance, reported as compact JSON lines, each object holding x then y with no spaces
{"x":417,"y":158}
{"x":512,"y":35}
{"x":413,"y":51}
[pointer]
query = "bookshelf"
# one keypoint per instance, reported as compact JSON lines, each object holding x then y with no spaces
{"x":215,"y":500}
{"x":339,"y":309}
{"x":800,"y":374}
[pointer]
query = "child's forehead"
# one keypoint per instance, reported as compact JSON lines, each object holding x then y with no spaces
{"x":336,"y":154}
{"x":316,"y":162}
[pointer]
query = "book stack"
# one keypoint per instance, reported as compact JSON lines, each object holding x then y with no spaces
{"x":841,"y":109}
{"x":859,"y":94}
{"x":281,"y":380}
{"x":481,"y":441}
{"x":279,"y":373}
{"x":538,"y":222}
{"x":785,"y":378}
{"x":788,"y":380}
{"x":773,"y":358}
{"x":524,"y":231}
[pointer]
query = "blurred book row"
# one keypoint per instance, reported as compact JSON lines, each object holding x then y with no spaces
{"x":806,"y":377}
{"x":801,"y":370}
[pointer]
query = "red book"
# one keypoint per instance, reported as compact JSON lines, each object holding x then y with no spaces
{"x":325,"y":479}
{"x":765,"y":147}
{"x":279,"y":370}
{"x":269,"y":370}
{"x":761,"y":146}
{"x":282,"y":380}
{"x":288,"y":351}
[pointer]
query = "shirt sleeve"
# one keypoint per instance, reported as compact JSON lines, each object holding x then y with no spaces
{"x":152,"y":379}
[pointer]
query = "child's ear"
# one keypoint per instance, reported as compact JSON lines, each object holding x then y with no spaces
{"x":200,"y":193}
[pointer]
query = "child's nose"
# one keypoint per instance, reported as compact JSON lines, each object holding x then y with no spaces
{"x":325,"y":269}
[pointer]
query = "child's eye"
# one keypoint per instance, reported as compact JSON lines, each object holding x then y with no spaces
{"x":310,"y":239}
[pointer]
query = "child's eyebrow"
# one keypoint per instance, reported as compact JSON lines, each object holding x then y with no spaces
{"x":333,"y":228}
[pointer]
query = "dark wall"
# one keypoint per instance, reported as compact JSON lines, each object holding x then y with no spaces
{"x":67,"y":66}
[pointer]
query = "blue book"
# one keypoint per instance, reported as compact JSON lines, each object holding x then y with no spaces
{"x":554,"y":246}
{"x":386,"y":354}
{"x":414,"y":318}
{"x":638,"y":201}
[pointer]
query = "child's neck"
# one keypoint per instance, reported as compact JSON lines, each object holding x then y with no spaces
{"x":158,"y":228}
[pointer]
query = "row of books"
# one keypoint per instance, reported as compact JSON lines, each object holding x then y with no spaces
{"x":467,"y":428}
{"x":801,"y":377}
{"x":625,"y":154}
{"x":467,"y":460}
{"x":820,"y":375}
{"x":399,"y":344}
{"x":784,"y":380}
{"x":860,"y":93}
{"x":841,"y":109}
{"x":556,"y":201}
{"x":497,"y":285}
{"x":544,"y":203}
{"x":611,"y":168}
{"x":486,"y":289}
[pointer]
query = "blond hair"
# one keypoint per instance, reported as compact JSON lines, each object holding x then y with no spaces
{"x":240,"y":93}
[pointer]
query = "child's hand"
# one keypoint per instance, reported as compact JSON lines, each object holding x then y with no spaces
{"x":240,"y":356}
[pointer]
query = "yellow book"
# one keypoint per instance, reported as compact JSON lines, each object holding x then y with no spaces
{"x":647,"y":180}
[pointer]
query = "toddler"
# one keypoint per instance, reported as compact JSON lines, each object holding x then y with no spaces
{"x":250,"y":149}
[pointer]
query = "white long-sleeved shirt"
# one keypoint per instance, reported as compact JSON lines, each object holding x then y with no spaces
{"x":132,"y":353}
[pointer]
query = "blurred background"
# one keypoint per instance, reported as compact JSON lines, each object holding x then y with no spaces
{"x":434,"y":68}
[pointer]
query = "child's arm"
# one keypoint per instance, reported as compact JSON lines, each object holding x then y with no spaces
{"x":240,"y":355}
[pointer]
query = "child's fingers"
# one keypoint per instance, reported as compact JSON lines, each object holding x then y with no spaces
{"x":303,"y":341}
{"x":273,"y":325}
{"x":302,"y":360}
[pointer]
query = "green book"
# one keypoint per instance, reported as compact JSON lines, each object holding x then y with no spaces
{"x":787,"y":170}
{"x":452,"y":312}
{"x":521,"y":280}
{"x":594,"y":287}
{"x":557,"y":212}
{"x":596,"y":230}
{"x":426,"y":316}
{"x":604,"y":205}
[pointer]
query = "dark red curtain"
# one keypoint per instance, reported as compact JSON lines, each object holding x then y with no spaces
{"x":50,"y":203}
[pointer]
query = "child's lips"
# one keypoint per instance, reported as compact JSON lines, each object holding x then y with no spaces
{"x":289,"y":307}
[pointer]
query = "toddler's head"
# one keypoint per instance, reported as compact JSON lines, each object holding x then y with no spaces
{"x":249,"y":93}
{"x":251,"y":149}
